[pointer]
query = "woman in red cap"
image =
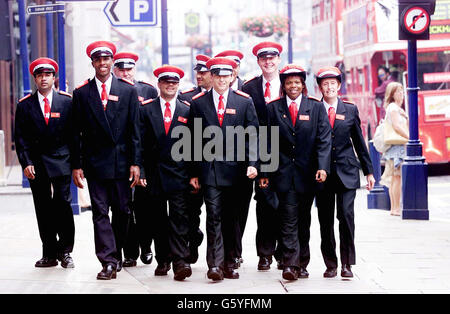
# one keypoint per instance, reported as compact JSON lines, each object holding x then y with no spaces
{"x":304,"y":151}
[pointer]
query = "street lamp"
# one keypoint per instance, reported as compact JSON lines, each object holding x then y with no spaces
{"x":209,"y":13}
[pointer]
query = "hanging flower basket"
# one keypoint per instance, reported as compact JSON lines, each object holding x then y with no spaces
{"x":197,"y":41}
{"x":265,"y":26}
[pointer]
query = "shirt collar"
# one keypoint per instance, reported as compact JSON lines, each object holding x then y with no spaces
{"x":49,"y":97}
{"x":298,"y":101}
{"x":327,"y":105}
{"x":216,"y":96}
{"x":108,"y":83}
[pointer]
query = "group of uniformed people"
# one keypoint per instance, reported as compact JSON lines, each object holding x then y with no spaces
{"x":117,"y":133}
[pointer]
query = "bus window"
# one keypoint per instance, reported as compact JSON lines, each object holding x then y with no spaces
{"x":366,"y":78}
{"x":361,"y":80}
{"x":434,"y":70}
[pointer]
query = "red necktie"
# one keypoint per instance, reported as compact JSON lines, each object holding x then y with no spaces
{"x":104,"y":96}
{"x":220,"y":110}
{"x":267,"y":95}
{"x":293,"y":111}
{"x":331,"y":116}
{"x":46,"y":110}
{"x":167,"y":118}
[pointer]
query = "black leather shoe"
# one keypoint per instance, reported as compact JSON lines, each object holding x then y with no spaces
{"x":280,"y":265}
{"x":182,"y":272}
{"x":46,"y":262}
{"x":129,"y":262}
{"x":303,"y":273}
{"x":108,"y":272}
{"x":264,"y":263}
{"x":346,"y":271}
{"x":241,"y":260}
{"x":230,"y":273}
{"x":66,"y":260}
{"x":237,"y":263}
{"x":119,"y":266}
{"x":330,"y":273}
{"x":147,"y":257}
{"x":290,"y":273}
{"x":215,"y":274}
{"x":162,"y":269}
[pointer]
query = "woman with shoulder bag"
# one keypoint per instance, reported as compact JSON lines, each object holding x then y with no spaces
{"x":397,"y":119}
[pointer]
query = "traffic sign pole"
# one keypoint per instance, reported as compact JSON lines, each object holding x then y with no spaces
{"x":49,"y":29}
{"x":414,"y":169}
{"x":164,"y":33}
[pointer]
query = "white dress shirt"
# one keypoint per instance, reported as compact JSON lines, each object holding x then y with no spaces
{"x":173,"y":104}
{"x":42,"y":103}
{"x":107,"y":83}
{"x":216,"y":96}
{"x":327,"y":106}
{"x":275,"y":85}
{"x":298,"y":101}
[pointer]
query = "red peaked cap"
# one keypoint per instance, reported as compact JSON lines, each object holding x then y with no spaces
{"x":221,"y":66}
{"x":169,"y":73}
{"x":267,"y":48}
{"x":125,"y":60}
{"x":292,"y":69}
{"x":231,"y":54}
{"x":101,"y":49}
{"x":328,"y":72}
{"x":43,"y":65}
{"x":201,"y":63}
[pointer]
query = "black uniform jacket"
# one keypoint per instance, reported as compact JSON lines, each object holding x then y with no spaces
{"x":188,"y":94}
{"x":254,"y":88}
{"x":146,"y":91}
{"x":346,"y":139}
{"x":239,"y":111}
{"x":162,"y":172}
{"x":106,"y":143}
{"x":303,"y":149}
{"x":44,"y":145}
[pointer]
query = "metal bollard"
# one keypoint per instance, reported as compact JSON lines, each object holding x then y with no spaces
{"x":2,"y":159}
{"x":378,"y":198}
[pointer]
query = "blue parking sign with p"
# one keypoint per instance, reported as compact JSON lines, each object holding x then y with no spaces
{"x":141,"y":11}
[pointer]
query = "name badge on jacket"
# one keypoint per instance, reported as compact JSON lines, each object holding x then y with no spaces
{"x":230,"y":111}
{"x":182,"y":119}
{"x":340,"y":117}
{"x":113,"y":98}
{"x":303,"y":117}
{"x":55,"y":115}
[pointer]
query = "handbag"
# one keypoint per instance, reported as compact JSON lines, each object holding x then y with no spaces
{"x":378,"y":139}
{"x":391,"y":137}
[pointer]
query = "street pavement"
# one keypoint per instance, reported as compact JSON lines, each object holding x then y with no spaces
{"x":393,"y":255}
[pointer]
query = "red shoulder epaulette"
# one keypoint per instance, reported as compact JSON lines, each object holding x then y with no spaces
{"x":188,"y":91}
{"x":242,"y":93}
{"x":250,"y":80}
{"x":23,"y":98}
{"x":186,"y":103}
{"x":127,"y":81}
{"x":64,"y":93}
{"x":82,"y":84}
{"x":349,"y":102}
{"x":146,"y":102}
{"x":314,"y":98}
{"x":198,"y":95}
{"x":274,"y":100}
{"x":146,"y":83}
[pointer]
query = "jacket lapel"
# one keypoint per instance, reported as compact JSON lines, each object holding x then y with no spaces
{"x":36,"y":112}
{"x":285,"y":116}
{"x":340,"y":111}
{"x":228,"y":119}
{"x":113,"y":108}
{"x":157,"y":119}
{"x":210,"y":110}
{"x":305,"y":108}
{"x":97,"y":108}
{"x":55,"y":109}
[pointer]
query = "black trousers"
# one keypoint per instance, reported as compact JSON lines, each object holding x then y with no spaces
{"x":268,"y":226}
{"x":222,"y":226}
{"x":195,"y":202}
{"x":140,"y":232}
{"x":295,"y":217}
{"x":334,"y":192}
{"x":110,"y":236}
{"x":53,"y":212}
{"x":172,"y":227}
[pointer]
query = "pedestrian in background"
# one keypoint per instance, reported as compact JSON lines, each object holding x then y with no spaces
{"x":397,"y":117}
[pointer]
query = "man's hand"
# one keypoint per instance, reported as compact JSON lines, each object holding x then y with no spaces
{"x":263,"y":183}
{"x":195,"y":184}
{"x":321,"y":176}
{"x":143,"y":182}
{"x":78,"y":177}
{"x":135,"y":174}
{"x":29,"y":172}
{"x":370,"y":182}
{"x":252,"y":172}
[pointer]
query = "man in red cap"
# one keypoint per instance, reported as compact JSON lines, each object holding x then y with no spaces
{"x":340,"y":187}
{"x":221,"y":174}
{"x":43,"y":126}
{"x":203,"y":77}
{"x":263,"y":89}
{"x":107,"y":152}
{"x":139,"y":232}
{"x":237,"y":56}
{"x":166,"y":180}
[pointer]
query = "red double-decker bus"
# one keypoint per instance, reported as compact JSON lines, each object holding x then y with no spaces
{"x":360,"y":36}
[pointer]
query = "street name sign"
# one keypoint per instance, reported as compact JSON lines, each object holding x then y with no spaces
{"x":45,"y":8}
